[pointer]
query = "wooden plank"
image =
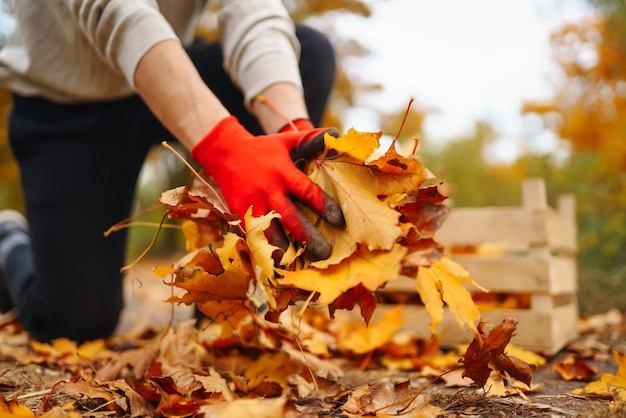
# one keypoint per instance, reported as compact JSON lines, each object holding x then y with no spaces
{"x":507,"y":273}
{"x":474,"y":226}
{"x":561,"y":232}
{"x":563,"y":273}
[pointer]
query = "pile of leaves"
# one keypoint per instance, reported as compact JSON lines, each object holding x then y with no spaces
{"x":391,"y":219}
{"x":272,"y":372}
{"x":268,"y":343}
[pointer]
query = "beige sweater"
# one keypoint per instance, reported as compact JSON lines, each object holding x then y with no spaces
{"x":72,"y":51}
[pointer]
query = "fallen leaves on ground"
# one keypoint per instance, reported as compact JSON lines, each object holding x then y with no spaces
{"x":306,"y":364}
{"x":611,"y":386}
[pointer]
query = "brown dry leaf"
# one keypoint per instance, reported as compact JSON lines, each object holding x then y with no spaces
{"x":514,"y":367}
{"x":360,"y":338}
{"x":138,"y":359}
{"x":389,"y":399}
{"x":90,"y":390}
{"x":487,"y":346}
{"x":184,"y":204}
{"x":574,"y":368}
{"x":261,"y":256}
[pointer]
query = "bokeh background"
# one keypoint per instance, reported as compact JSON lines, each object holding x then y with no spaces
{"x":503,"y":91}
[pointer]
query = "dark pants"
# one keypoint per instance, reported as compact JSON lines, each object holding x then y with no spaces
{"x":79,"y":165}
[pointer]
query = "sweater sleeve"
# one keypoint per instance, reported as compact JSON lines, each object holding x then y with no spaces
{"x":121,"y":31}
{"x":259,"y":44}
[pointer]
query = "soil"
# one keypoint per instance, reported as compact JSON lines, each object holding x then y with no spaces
{"x":145,"y":292}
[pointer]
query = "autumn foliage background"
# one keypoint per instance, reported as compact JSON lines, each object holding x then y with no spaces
{"x":588,"y":111}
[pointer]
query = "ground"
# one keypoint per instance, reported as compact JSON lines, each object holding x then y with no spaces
{"x":32,"y":383}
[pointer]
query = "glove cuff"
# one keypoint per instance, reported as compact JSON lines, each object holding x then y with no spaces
{"x":297,"y":125}
{"x":211,"y":145}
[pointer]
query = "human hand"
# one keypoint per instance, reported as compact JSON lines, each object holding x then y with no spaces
{"x":259,"y":171}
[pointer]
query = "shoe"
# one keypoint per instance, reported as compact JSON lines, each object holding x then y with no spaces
{"x":11,"y":222}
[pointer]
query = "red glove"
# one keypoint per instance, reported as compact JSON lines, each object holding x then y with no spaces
{"x":259,"y":172}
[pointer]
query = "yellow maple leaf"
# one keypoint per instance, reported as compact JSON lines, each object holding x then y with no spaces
{"x":354,"y":144}
{"x":356,"y":187}
{"x":343,"y":245}
{"x":261,"y":254}
{"x":361,"y":338}
{"x":372,"y":269}
{"x":443,"y":282}
{"x":368,"y":220}
{"x":609,"y":385}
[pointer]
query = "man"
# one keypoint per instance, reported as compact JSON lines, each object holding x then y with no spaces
{"x":95,"y":84}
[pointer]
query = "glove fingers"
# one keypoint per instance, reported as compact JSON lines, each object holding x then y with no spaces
{"x":305,"y":147}
{"x":276,"y":236}
{"x":301,"y":228}
{"x":310,"y":194}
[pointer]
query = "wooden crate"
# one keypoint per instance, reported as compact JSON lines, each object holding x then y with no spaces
{"x":531,"y":255}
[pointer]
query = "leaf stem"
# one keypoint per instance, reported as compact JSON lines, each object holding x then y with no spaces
{"x":266,"y":102}
{"x":406,"y":114}
{"x":150,"y":246}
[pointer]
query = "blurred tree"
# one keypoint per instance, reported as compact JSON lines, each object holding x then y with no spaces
{"x":589,"y":108}
{"x":589,"y":111}
{"x":468,"y":178}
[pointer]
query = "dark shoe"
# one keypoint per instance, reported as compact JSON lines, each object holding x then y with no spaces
{"x":11,"y":223}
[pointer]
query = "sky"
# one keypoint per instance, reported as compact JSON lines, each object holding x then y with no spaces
{"x":469,"y":59}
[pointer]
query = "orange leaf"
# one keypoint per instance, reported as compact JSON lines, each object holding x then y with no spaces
{"x":573,"y":368}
